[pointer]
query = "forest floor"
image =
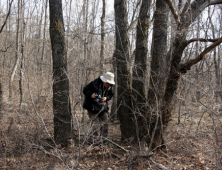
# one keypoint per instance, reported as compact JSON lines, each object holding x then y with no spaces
{"x":193,"y":143}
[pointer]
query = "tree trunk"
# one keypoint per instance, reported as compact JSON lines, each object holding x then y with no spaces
{"x":68,"y":27}
{"x":158,"y":74}
{"x":103,"y":20}
{"x":44,"y":37}
{"x":114,"y":108}
{"x":121,"y":55}
{"x":61,"y":103}
{"x":7,"y":16}
{"x":140,"y":70}
{"x":179,"y":43}
{"x":84,"y":71}
{"x":17,"y":54}
{"x":1,"y":101}
{"x":163,"y":89}
{"x":22,"y":39}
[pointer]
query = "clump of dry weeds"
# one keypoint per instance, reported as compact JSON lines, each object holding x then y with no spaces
{"x":26,"y":143}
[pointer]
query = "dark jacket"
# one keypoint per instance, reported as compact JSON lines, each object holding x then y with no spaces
{"x":97,"y":87}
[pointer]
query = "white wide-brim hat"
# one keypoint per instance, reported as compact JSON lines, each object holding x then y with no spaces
{"x":108,"y":78}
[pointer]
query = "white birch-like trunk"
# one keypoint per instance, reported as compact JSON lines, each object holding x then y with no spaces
{"x":17,"y":54}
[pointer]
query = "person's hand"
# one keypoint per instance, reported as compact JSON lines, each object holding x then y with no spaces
{"x":93,"y":95}
{"x":103,"y":99}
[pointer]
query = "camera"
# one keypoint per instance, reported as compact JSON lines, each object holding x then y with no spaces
{"x":98,"y":98}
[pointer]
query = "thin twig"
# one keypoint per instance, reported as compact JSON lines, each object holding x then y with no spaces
{"x":106,"y":139}
{"x":173,"y":10}
{"x":158,"y":165}
{"x":9,"y":11}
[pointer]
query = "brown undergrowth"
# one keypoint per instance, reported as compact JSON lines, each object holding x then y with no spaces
{"x":194,"y":143}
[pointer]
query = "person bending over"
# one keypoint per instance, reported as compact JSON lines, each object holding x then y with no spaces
{"x":97,"y":94}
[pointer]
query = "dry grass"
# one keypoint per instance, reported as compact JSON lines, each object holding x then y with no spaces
{"x":195,"y":143}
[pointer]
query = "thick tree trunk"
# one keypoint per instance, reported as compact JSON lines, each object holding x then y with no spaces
{"x":166,"y":106}
{"x":158,"y":74}
{"x":61,"y":103}
{"x":140,"y":70}
{"x":164,"y":89}
{"x":166,"y":68}
{"x":121,"y":55}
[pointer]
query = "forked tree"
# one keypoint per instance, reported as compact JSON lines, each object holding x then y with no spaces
{"x":190,"y":12}
{"x":150,"y":113}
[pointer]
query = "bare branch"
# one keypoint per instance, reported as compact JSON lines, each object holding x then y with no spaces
{"x":201,"y":40}
{"x":215,"y":2}
{"x":134,"y":12}
{"x":191,"y":11}
{"x":185,"y":8}
{"x":132,"y":24}
{"x":188,"y":64}
{"x":9,"y":11}
{"x":135,"y":21}
{"x":180,"y":5}
{"x":158,"y":165}
{"x":173,"y":10}
{"x":5,"y":50}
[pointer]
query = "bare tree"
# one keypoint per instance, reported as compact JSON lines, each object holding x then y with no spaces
{"x":17,"y":53}
{"x":158,"y":73}
{"x":22,"y":40}
{"x":140,"y":68}
{"x":1,"y":29}
{"x":183,"y":20}
{"x":61,"y":103}
{"x":121,"y":57}
{"x":7,"y":16}
{"x":103,"y":29}
{"x":166,"y":68}
{"x":68,"y":26}
{"x":44,"y":35}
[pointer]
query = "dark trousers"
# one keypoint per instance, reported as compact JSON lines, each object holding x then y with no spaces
{"x":99,"y":123}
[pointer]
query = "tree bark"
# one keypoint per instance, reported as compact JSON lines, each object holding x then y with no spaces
{"x":121,"y":55}
{"x":103,"y":20}
{"x":114,"y":107}
{"x":158,"y":74}
{"x":188,"y":15}
{"x":17,"y":54}
{"x":68,"y":27}
{"x":140,"y":70}
{"x":61,"y":103}
{"x":22,"y":39}
{"x":1,"y":101}
{"x":44,"y":37}
{"x":7,"y":16}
